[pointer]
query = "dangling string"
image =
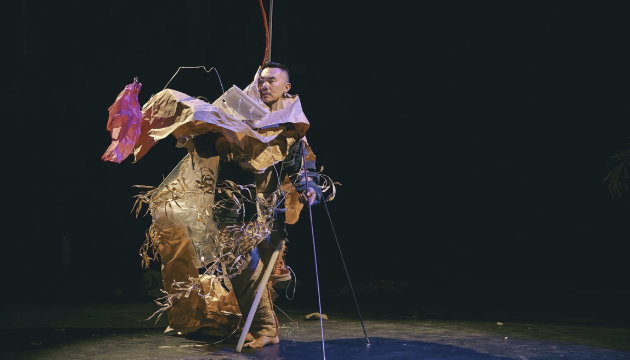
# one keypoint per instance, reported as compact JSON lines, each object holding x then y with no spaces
{"x":285,"y":314}
{"x":292,"y":281}
{"x":196,"y":67}
{"x":310,"y":216}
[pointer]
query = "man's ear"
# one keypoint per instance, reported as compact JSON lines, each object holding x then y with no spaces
{"x":287,"y":87}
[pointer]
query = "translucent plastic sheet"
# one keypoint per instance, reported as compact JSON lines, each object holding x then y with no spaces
{"x":124,"y":123}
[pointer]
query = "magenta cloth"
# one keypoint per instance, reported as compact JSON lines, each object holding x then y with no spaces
{"x":124,"y":123}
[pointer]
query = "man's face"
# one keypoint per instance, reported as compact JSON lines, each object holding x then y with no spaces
{"x":272,"y":84}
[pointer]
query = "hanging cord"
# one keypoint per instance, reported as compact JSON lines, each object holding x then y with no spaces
{"x":197,"y":67}
{"x":356,"y":303}
{"x":267,"y":35}
{"x":310,"y":216}
{"x":270,"y":29}
{"x":294,"y":281}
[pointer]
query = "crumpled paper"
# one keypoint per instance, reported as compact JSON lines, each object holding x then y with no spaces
{"x":171,"y":112}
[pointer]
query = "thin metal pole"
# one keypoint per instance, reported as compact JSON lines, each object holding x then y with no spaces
{"x":310,"y":216}
{"x":356,"y":303}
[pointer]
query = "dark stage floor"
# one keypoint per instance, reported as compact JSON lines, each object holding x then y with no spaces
{"x":119,"y":331}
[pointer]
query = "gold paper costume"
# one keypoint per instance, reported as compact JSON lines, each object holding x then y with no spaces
{"x":183,"y":233}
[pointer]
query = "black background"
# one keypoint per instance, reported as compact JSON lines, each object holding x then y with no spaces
{"x":471,"y":139}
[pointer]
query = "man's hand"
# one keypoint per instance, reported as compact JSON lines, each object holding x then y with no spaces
{"x":309,"y":196}
{"x":224,"y":148}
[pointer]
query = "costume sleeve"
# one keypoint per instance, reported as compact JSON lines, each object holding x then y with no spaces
{"x":293,"y":166}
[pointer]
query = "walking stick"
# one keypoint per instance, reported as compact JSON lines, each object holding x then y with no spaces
{"x":261,"y":288}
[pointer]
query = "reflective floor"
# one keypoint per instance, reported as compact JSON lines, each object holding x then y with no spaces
{"x":120,"y":331}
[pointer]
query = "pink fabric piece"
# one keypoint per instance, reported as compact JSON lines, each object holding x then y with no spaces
{"x":124,"y":123}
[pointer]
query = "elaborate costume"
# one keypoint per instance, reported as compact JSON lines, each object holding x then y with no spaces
{"x":205,"y":218}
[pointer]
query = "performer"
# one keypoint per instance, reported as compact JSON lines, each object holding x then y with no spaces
{"x":212,"y":251}
{"x":273,"y":87}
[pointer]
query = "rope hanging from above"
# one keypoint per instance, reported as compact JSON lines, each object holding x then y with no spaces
{"x":267,"y":56}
